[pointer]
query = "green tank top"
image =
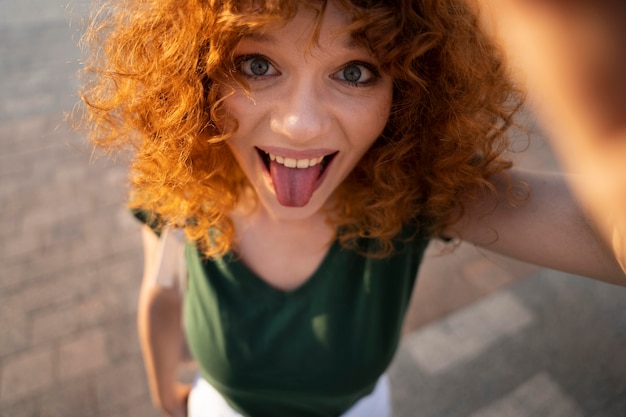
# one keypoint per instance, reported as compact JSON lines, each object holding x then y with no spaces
{"x":313,"y":351}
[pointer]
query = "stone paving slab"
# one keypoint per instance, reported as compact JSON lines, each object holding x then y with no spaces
{"x":70,"y":268}
{"x":561,"y":354}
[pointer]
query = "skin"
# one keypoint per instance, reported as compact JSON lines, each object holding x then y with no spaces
{"x":305,"y":104}
{"x":159,"y":326}
{"x":570,"y":56}
{"x":301,"y":106}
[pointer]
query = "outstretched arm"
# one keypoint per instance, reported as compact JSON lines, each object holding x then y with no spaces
{"x":548,"y":228}
{"x":570,"y":56}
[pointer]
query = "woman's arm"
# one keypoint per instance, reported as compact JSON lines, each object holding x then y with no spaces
{"x":571,"y":58}
{"x":547,"y":228}
{"x":160,"y":332}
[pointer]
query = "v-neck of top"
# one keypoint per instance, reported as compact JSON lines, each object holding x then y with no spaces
{"x":247,"y":277}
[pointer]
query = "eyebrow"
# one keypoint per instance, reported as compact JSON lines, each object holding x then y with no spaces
{"x":261,"y":37}
{"x":349,"y":43}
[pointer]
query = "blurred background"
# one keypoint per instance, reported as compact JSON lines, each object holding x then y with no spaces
{"x":485,"y":336}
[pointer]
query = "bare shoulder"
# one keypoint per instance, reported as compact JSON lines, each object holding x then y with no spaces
{"x":164,"y":263}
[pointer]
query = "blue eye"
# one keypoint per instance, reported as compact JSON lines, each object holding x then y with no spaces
{"x":253,"y":66}
{"x":352,"y":73}
{"x":259,"y":66}
{"x":357,"y":74}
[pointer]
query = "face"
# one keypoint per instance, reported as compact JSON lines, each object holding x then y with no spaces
{"x":310,"y":114}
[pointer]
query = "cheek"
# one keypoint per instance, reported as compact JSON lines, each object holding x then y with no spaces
{"x":383,"y":111}
{"x":234,"y":109}
{"x":370,"y":122}
{"x":230,"y":114}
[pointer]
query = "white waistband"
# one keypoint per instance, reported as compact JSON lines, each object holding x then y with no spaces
{"x":206,"y":401}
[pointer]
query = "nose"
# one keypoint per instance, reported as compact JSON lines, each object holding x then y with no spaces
{"x":301,"y":114}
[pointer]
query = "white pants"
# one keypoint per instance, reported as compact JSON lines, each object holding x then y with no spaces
{"x":205,"y":401}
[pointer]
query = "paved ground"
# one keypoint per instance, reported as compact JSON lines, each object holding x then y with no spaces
{"x":485,"y":336}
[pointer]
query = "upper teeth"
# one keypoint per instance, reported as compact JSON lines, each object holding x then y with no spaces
{"x":295,"y":163}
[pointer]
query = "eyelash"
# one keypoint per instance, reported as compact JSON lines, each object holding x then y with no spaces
{"x":240,"y":60}
{"x":375,"y":74}
{"x":369,"y":67}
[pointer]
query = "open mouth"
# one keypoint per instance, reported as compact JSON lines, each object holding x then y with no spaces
{"x":295,"y":180}
{"x":322,"y":161}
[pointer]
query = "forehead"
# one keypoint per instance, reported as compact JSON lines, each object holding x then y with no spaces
{"x":311,"y":25}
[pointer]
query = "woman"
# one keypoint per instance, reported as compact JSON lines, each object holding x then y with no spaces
{"x":310,"y":150}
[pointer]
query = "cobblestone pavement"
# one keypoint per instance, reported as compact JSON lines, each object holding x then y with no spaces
{"x":485,"y":336}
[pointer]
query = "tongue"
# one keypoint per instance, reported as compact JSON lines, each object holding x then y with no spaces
{"x":294,"y":186}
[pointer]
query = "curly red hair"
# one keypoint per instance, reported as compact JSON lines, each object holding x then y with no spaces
{"x":151,"y":84}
